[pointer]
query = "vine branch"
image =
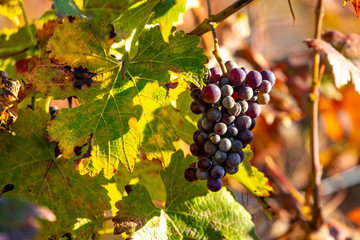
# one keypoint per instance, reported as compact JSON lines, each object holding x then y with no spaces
{"x":216,"y":41}
{"x":316,"y":169}
{"x":205,"y":27}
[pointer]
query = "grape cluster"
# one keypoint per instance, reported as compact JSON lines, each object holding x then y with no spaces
{"x":229,"y":105}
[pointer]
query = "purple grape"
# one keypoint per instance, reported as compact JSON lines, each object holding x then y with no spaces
{"x":196,"y":150}
{"x":196,"y":136}
{"x":196,"y":107}
{"x":231,"y":170}
{"x":232,"y":131}
{"x":202,"y":174}
{"x":245,"y":92}
{"x":214,"y":114}
{"x":207,"y":124}
{"x":245,"y":70}
{"x":202,"y":138}
{"x":242,"y":155}
{"x":227,"y":118}
{"x":220,"y":156}
{"x":195,"y":93}
{"x":243,"y":122}
{"x":199,"y":123}
{"x":237,"y":77}
{"x":190,"y":174}
{"x":235,"y":110}
{"x":211,"y":93}
{"x":253,"y":79}
{"x":227,"y":90}
{"x":217,"y":172}
{"x":254,"y":109}
{"x":210,"y":148}
{"x":204,"y":163}
{"x":253,"y":122}
{"x":224,"y":145}
{"x":215,"y":74}
{"x":265,"y":86}
{"x":237,"y":146}
{"x":224,"y":81}
{"x":230,"y":65}
{"x":220,"y":128}
{"x":233,"y":159}
{"x":263,"y":98}
{"x":213,"y":184}
{"x":244,"y":106}
{"x":228,"y":102}
{"x":268,"y":75}
{"x":245,"y":137}
{"x":215,"y":138}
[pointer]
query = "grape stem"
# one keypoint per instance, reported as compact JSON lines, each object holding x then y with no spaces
{"x":205,"y":27}
{"x":316,"y":169}
{"x":216,"y":41}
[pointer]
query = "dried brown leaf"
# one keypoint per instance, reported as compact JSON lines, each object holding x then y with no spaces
{"x":343,"y":69}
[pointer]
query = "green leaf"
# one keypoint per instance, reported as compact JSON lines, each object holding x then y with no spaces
{"x":67,"y":7}
{"x":106,"y":10}
{"x":28,"y":162}
{"x":117,"y":116}
{"x":251,"y":178}
{"x":16,"y":43}
{"x":190,"y":212}
{"x":166,"y":14}
{"x":137,"y":15}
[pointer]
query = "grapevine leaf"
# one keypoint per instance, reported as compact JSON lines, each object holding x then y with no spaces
{"x":125,"y":113}
{"x":251,"y":178}
{"x":135,"y":18}
{"x":146,"y":173}
{"x":190,"y":212}
{"x":343,"y":69}
{"x":29,"y":163}
{"x":67,"y":7}
{"x":166,"y":13}
{"x":11,"y":10}
{"x":107,"y":10}
{"x":16,"y":43}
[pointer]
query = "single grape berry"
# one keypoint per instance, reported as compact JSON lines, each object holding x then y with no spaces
{"x":196,"y":150}
{"x":224,"y":81}
{"x":233,"y":159}
{"x":245,"y":137}
{"x":202,"y":138}
{"x":215,"y":74}
{"x":227,"y":90}
{"x":228,"y":102}
{"x":235,"y":110}
{"x":244,"y":106}
{"x":263,"y":98}
{"x":253,"y":123}
{"x":213,"y":184}
{"x":243,"y":122}
{"x":265,"y":86}
{"x":220,"y":128}
{"x":253,"y":79}
{"x":202,"y":174}
{"x":245,"y":92}
{"x":232,"y":131}
{"x":214,"y":138}
{"x":197,"y":107}
{"x":224,"y":145}
{"x":196,"y":136}
{"x":227,"y":118}
{"x":207,"y":124}
{"x":220,"y":156}
{"x":209,"y":148}
{"x":268,"y":75}
{"x":190,"y":174}
{"x":199,"y":123}
{"x":231,"y":170}
{"x":230,"y":65}
{"x":237,"y":146}
{"x":217,"y":172}
{"x":211,"y":93}
{"x":204,"y":163}
{"x":214,"y":114}
{"x":237,"y":77}
{"x":195,"y":93}
{"x":254,"y":109}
